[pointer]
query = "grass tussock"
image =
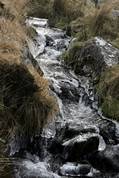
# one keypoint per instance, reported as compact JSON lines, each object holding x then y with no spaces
{"x":108,"y":92}
{"x":69,"y":8}
{"x":14,"y":9}
{"x":12,"y":30}
{"x":26,"y":103}
{"x":27,"y":97}
{"x":12,"y":38}
{"x":72,"y":55}
{"x":98,"y":22}
{"x":103,"y":22}
{"x":64,"y":11}
{"x":40,"y":8}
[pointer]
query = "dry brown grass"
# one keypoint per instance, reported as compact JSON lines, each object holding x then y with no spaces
{"x":26,"y":97}
{"x":24,"y":94}
{"x":12,"y":33}
{"x":102,"y":22}
{"x":44,"y":94}
{"x":40,"y":8}
{"x":98,"y":22}
{"x":26,"y":104}
{"x":69,"y":8}
{"x":14,"y":7}
{"x":12,"y":38}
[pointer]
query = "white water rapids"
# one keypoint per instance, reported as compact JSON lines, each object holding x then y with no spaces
{"x":74,"y":95}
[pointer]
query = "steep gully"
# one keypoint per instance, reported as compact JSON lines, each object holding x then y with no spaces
{"x":79,"y":142}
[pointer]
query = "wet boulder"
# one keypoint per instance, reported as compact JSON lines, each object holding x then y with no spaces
{"x":99,"y":60}
{"x":72,"y":134}
{"x":78,"y":147}
{"x":28,"y":59}
{"x":37,"y":46}
{"x":91,"y":58}
{"x":73,"y":129}
{"x":61,"y":44}
{"x":55,"y":147}
{"x":49,"y":41}
{"x":96,"y":56}
{"x":74,"y":169}
{"x":107,"y":160}
{"x":37,"y":22}
{"x":109,"y":132}
{"x":68,"y":91}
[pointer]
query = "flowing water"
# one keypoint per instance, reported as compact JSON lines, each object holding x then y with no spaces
{"x":75,"y":97}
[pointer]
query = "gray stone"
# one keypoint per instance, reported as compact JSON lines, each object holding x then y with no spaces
{"x":96,"y":55}
{"x":73,"y":169}
{"x":107,"y":160}
{"x":82,"y":145}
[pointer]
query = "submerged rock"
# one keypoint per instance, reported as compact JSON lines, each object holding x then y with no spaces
{"x":68,"y":91}
{"x":49,"y":41}
{"x":36,"y":22}
{"x":73,"y":169}
{"x":74,"y":129}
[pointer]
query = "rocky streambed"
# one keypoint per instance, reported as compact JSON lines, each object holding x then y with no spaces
{"x":79,"y":142}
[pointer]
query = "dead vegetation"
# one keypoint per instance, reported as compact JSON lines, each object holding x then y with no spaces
{"x":104,"y":24}
{"x":69,"y":8}
{"x":26,"y":96}
{"x":26,"y":103}
{"x":12,"y":37}
{"x":84,"y":20}
{"x":64,"y":11}
{"x":14,"y":9}
{"x":40,"y":8}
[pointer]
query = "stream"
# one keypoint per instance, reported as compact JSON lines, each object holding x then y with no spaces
{"x":66,"y":146}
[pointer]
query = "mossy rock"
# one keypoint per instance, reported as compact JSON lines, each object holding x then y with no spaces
{"x":71,"y":56}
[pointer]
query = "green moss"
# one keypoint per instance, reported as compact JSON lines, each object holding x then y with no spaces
{"x":116,"y":42}
{"x":71,"y":56}
{"x":59,"y":22}
{"x":110,"y":107}
{"x":108,"y":92}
